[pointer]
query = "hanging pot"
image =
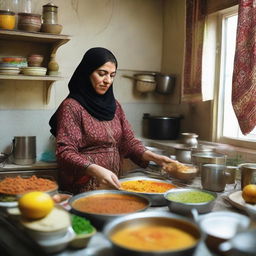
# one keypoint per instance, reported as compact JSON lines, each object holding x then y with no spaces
{"x":165,"y":83}
{"x":162,"y":127}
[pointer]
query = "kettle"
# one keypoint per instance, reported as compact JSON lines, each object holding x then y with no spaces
{"x":24,"y":150}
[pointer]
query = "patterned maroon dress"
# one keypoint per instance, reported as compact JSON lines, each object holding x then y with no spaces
{"x":83,"y":140}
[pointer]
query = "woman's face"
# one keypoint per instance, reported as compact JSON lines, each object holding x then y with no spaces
{"x":103,"y":77}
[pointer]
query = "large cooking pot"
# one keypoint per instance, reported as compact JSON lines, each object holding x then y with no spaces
{"x":162,"y":127}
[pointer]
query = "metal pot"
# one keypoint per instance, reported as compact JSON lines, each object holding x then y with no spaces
{"x":157,"y":218}
{"x":162,"y":127}
{"x":183,"y":154}
{"x":165,"y":83}
{"x":189,"y":139}
{"x":199,"y":159}
{"x":24,"y":150}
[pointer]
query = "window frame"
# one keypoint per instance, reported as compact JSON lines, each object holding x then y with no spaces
{"x":218,"y":102}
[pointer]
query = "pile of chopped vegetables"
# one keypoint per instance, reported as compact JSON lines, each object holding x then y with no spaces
{"x":81,"y":225}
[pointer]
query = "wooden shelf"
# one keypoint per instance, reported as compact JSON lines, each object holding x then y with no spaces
{"x":32,"y":36}
{"x":52,"y":41}
{"x":49,"y":80}
{"x":31,"y":78}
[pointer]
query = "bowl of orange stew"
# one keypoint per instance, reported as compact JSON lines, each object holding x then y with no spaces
{"x":153,"y":189}
{"x":101,"y":206}
{"x":153,"y":233}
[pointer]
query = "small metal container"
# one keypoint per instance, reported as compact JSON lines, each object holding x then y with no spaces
{"x":50,"y":14}
{"x":183,"y":154}
{"x":189,"y":139}
{"x":185,"y":208}
{"x":199,"y":159}
{"x":248,"y":174}
{"x":214,"y":177}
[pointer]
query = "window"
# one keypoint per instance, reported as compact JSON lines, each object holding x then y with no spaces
{"x":228,"y":130}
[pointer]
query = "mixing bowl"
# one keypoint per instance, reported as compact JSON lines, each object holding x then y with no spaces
{"x":183,"y":200}
{"x":156,"y":199}
{"x":155,"y":219}
{"x":108,"y":209}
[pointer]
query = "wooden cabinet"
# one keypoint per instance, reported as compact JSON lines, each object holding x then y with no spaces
{"x":21,"y":43}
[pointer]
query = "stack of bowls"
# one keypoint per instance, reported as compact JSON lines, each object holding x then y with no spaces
{"x":52,"y":232}
{"x":10,"y":65}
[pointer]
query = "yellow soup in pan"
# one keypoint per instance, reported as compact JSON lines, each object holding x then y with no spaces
{"x":153,"y":237}
{"x":146,"y":186}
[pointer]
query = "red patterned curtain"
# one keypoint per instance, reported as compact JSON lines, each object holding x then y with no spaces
{"x":244,"y":74}
{"x":192,"y":72}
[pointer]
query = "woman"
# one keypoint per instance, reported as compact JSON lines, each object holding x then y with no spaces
{"x":92,"y":133}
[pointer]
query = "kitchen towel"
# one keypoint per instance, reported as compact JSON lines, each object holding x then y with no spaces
{"x":244,"y":74}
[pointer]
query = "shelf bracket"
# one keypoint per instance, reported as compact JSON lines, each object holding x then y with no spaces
{"x":47,"y":91}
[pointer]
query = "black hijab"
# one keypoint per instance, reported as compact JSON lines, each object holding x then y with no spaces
{"x":102,"y":107}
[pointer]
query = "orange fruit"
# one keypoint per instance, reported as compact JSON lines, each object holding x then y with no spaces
{"x":35,"y":205}
{"x":249,"y":193}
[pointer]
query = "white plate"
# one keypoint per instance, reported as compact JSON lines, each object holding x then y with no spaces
{"x":34,"y":71}
{"x":9,"y":204}
{"x":237,"y":200}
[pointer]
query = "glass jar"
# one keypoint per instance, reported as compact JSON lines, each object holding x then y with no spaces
{"x":7,"y":20}
{"x":50,"y":14}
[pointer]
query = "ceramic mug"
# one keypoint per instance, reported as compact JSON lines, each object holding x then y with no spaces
{"x":214,"y":177}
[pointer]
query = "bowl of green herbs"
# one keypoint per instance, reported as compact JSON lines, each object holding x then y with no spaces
{"x":84,"y":231}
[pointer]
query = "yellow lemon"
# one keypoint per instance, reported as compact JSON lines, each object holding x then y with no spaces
{"x":249,"y":193}
{"x":35,"y":205}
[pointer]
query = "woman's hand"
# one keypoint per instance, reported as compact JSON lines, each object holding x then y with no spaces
{"x":105,"y":177}
{"x":158,"y":159}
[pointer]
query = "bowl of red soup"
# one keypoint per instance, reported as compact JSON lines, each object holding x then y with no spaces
{"x":153,"y":233}
{"x":153,"y":189}
{"x":100,"y":206}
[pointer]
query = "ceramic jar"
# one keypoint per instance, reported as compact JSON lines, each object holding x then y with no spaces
{"x":35,"y":60}
{"x":53,"y":66}
{"x":29,"y":22}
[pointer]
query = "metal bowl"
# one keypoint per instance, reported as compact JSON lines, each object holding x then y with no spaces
{"x":156,"y":199}
{"x":152,"y":217}
{"x":99,"y":220}
{"x":185,"y":208}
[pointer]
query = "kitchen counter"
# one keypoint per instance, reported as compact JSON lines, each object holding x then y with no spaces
{"x":100,"y":246}
{"x":39,"y":165}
